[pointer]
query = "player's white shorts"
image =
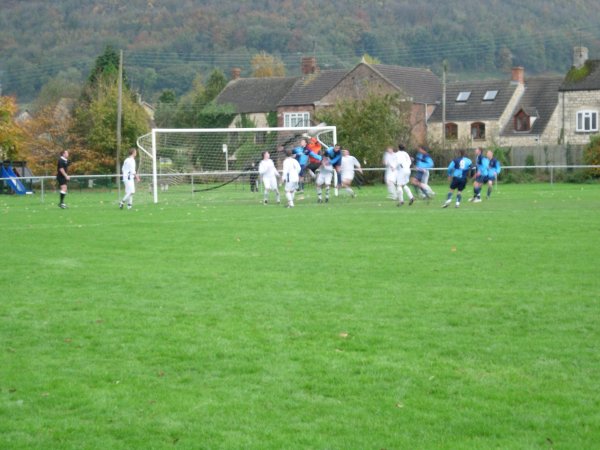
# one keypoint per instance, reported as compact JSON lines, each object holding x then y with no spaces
{"x":402,"y":176}
{"x":291,"y":186}
{"x":390,"y":177}
{"x":129,"y":187}
{"x":270,"y":183}
{"x":347,"y":176}
{"x":324,"y":178}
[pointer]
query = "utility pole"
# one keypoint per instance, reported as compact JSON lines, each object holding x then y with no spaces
{"x":119,"y":114}
{"x":444,"y":105}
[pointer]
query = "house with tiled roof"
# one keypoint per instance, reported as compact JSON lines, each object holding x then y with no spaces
{"x":255,"y":97}
{"x":534,"y":119}
{"x":322,"y":89}
{"x":579,"y":100}
{"x":476,"y":111}
{"x":296,"y":100}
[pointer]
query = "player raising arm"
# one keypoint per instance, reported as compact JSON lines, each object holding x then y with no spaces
{"x":458,"y":170}
{"x":335,"y":157}
{"x":269,"y":175}
{"x":290,"y":176}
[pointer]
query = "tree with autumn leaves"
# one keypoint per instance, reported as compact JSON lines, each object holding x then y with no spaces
{"x":85,"y":126}
{"x":11,"y":136}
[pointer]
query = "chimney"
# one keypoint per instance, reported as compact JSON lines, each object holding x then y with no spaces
{"x":518,"y":75}
{"x":309,"y":65}
{"x":236,"y":73}
{"x":580,"y":56}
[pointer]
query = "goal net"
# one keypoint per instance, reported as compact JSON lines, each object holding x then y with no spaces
{"x":197,"y":160}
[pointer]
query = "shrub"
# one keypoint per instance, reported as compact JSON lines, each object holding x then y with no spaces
{"x":591,"y":155}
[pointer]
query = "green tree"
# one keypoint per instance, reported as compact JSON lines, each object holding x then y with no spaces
{"x":96,"y":122}
{"x":591,"y":155}
{"x":55,"y":89}
{"x":166,"y":110}
{"x":368,"y":125}
{"x":107,"y":65}
{"x":214,"y":85}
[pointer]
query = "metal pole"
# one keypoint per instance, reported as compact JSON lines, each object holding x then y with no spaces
{"x":119,"y":114}
{"x":551,"y":174}
{"x":226,"y":158}
{"x":444,"y":105}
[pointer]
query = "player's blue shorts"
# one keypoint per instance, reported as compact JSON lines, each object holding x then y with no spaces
{"x":419,"y":175}
{"x":482,"y":179}
{"x":458,"y":183}
{"x":302,"y":170}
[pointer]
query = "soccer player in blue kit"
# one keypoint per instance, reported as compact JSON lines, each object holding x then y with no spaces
{"x":481,"y":176}
{"x":458,"y":169}
{"x":493,"y":170}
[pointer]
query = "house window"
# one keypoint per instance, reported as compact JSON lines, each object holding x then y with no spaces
{"x":296,"y":119}
{"x":451,"y":131}
{"x":490,"y":95}
{"x":587,"y":121}
{"x":478,"y":130}
{"x":463,"y":96}
{"x":522,"y":121}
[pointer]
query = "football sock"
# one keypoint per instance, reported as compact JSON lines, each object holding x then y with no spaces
{"x":407,"y":190}
{"x":400,"y":194}
{"x":449,"y":195}
{"x":489,"y":191}
{"x":327,"y":192}
{"x":458,"y":198}
{"x":62,"y":196}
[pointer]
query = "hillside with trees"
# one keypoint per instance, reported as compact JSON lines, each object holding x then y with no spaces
{"x":168,"y":42}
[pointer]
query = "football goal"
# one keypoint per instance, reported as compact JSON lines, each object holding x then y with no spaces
{"x":205,"y":159}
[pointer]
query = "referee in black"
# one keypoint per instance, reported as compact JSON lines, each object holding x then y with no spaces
{"x":62,"y":176}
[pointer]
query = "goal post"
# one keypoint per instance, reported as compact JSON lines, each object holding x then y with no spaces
{"x":217,"y":156}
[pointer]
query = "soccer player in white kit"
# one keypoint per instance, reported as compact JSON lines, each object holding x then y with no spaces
{"x":349,"y":163}
{"x":290,"y":176}
{"x":130,"y":176}
{"x":326,"y":171}
{"x":389,"y":162}
{"x":269,"y":175}
{"x":402,"y":164}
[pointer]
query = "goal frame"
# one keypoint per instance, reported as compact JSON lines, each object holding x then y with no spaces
{"x":152,"y":151}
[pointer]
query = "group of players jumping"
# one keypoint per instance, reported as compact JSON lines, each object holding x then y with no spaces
{"x":322,"y":164}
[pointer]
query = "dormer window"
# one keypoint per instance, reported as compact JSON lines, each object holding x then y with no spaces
{"x":490,"y":96}
{"x":522,"y":121}
{"x":463,"y":96}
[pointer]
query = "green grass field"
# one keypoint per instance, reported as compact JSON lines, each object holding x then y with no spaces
{"x":216,"y":322}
